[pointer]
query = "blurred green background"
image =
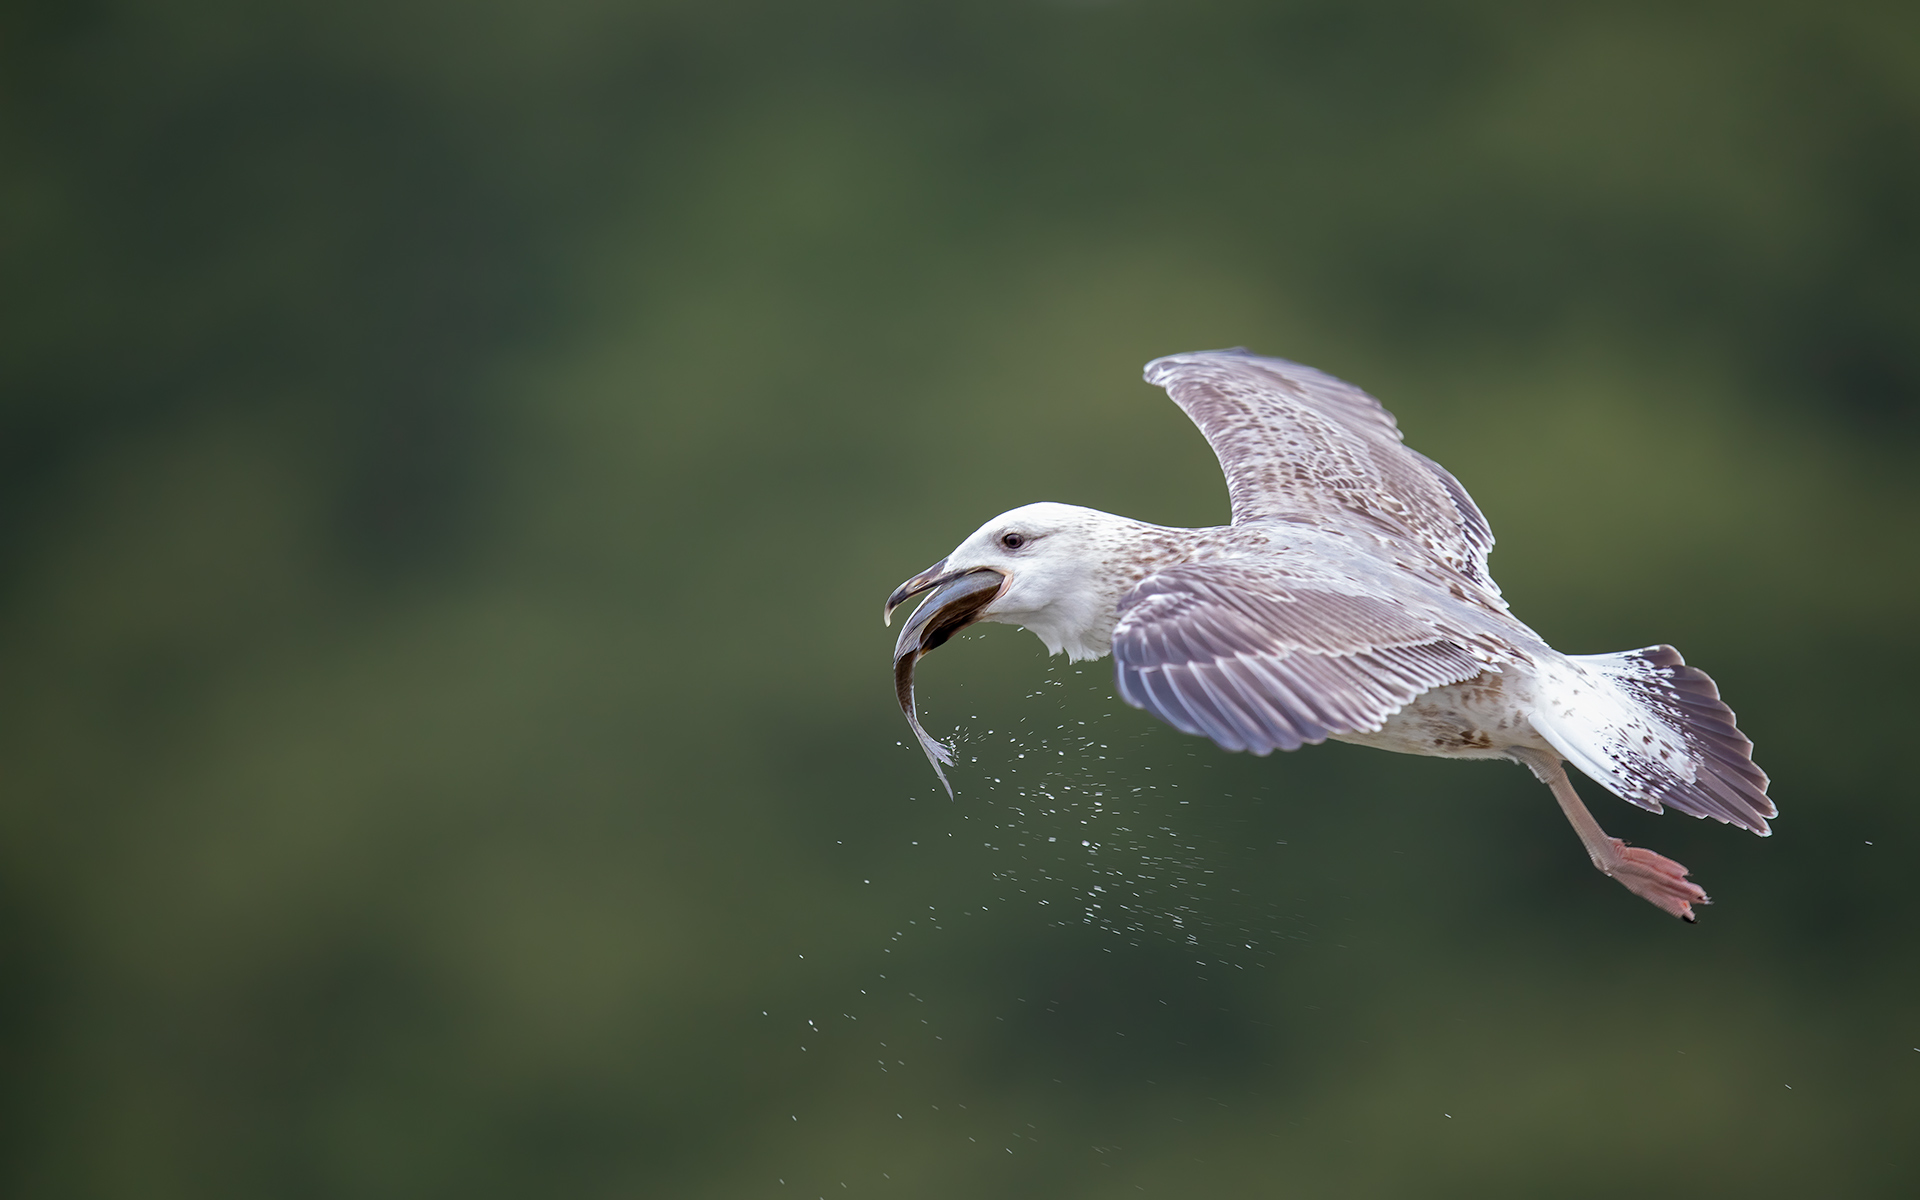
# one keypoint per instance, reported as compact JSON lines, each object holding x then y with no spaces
{"x":454,"y":455}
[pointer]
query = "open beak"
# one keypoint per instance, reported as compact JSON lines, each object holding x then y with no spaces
{"x":956,"y":602}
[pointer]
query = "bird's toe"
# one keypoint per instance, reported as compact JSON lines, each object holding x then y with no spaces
{"x":1656,"y":879}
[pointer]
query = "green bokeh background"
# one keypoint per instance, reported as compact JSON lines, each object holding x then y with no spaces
{"x":454,"y":454}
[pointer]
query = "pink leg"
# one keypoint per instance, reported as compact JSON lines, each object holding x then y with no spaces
{"x":1657,"y":880}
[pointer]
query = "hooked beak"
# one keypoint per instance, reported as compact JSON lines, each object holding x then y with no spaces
{"x":957,"y":600}
{"x":930,"y":578}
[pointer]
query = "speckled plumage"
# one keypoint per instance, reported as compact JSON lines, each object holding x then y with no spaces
{"x":1349,"y":599}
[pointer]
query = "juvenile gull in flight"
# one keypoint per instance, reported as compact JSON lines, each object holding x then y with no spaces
{"x":1349,"y":599}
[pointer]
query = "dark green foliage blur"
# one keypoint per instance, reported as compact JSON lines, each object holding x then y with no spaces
{"x":452,"y":457}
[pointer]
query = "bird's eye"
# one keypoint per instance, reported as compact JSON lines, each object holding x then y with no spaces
{"x":1013,"y":541}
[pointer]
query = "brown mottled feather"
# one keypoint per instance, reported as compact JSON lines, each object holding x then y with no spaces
{"x":1297,"y":443}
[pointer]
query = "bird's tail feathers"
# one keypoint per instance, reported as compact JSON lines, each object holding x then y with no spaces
{"x":1652,"y":730}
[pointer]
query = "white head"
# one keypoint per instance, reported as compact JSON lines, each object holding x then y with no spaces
{"x":1057,"y":569}
{"x":1065,"y":569}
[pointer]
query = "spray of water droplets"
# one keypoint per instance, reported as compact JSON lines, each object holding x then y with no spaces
{"x":1079,"y":832}
{"x":1087,"y":833}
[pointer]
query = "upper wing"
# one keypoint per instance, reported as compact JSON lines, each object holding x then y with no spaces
{"x":1256,"y":658}
{"x":1296,"y":442}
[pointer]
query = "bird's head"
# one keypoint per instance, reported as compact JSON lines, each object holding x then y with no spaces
{"x":1056,"y":569}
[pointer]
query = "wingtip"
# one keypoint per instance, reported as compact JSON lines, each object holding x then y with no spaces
{"x":1158,"y":366}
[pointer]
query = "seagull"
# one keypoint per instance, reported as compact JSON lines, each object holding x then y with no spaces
{"x":1348,"y":599}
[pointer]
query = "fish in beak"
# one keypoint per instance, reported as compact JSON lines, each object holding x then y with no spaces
{"x":955,"y":603}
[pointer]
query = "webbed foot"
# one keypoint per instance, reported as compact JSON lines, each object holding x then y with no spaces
{"x":1654,"y":878}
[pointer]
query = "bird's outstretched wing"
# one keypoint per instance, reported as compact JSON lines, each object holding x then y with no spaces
{"x":1298,"y":443}
{"x":1242,"y":652}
